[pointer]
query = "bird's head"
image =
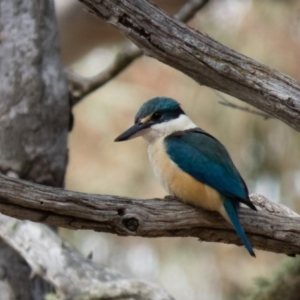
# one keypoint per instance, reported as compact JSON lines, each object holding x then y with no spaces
{"x":156,"y":118}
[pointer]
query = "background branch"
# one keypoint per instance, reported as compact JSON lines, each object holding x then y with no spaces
{"x":148,"y":218}
{"x":81,"y":86}
{"x":228,"y":103}
{"x":73,"y":276}
{"x":202,"y":58}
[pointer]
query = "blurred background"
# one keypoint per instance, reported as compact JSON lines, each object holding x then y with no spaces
{"x":265,"y":151}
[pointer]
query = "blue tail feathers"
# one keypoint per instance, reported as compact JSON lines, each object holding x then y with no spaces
{"x":232,"y":211}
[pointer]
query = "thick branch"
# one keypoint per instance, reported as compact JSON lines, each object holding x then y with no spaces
{"x":149,"y":218}
{"x":71,"y":274}
{"x":81,"y":86}
{"x":202,"y":58}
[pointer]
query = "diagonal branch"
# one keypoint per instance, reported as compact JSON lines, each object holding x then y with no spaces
{"x":202,"y":58}
{"x":275,"y":229}
{"x":72,"y":275}
{"x":81,"y":86}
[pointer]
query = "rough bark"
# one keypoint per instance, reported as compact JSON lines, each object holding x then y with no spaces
{"x":72,"y":275}
{"x":16,"y":280}
{"x":202,"y":58}
{"x":34,"y":114}
{"x":34,"y":108}
{"x":274,"y":229}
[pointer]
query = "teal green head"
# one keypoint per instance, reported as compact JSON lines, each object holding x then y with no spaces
{"x":156,"y":117}
{"x":160,"y":109}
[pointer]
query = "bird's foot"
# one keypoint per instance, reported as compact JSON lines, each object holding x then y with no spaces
{"x":169,"y":197}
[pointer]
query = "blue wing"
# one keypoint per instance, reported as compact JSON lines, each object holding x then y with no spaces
{"x":206,"y":159}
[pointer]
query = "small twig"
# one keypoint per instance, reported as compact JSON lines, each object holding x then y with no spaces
{"x":189,"y":9}
{"x":228,"y":103}
{"x":81,"y":86}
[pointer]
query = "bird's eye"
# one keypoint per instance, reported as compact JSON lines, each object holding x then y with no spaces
{"x":156,"y":116}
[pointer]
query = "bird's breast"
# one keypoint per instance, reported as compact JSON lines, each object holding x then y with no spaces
{"x":179,"y":183}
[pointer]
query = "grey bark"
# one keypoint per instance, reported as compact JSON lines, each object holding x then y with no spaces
{"x":202,"y":58}
{"x":73,"y":276}
{"x":34,"y":114}
{"x":276,"y":228}
{"x":34,"y":108}
{"x":16,"y":281}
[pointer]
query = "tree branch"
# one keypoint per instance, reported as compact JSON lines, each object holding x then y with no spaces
{"x":202,"y":58}
{"x":81,"y":86}
{"x":228,"y":103}
{"x":72,"y":275}
{"x":276,"y":232}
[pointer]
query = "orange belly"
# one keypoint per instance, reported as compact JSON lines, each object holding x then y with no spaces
{"x":181,"y":184}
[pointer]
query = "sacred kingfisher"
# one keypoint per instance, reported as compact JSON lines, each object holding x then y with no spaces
{"x":190,"y":163}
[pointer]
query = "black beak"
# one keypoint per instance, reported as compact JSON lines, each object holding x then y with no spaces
{"x":132,"y":132}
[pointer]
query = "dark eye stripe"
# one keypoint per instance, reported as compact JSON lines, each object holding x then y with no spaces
{"x":170,"y":115}
{"x":157,"y":115}
{"x":161,"y":116}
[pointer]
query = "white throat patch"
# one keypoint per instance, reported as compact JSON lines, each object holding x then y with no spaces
{"x":156,"y":131}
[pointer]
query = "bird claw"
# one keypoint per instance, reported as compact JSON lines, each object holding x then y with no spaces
{"x":169,"y":197}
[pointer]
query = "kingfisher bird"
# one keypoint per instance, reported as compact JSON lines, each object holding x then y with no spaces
{"x":190,"y":163}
